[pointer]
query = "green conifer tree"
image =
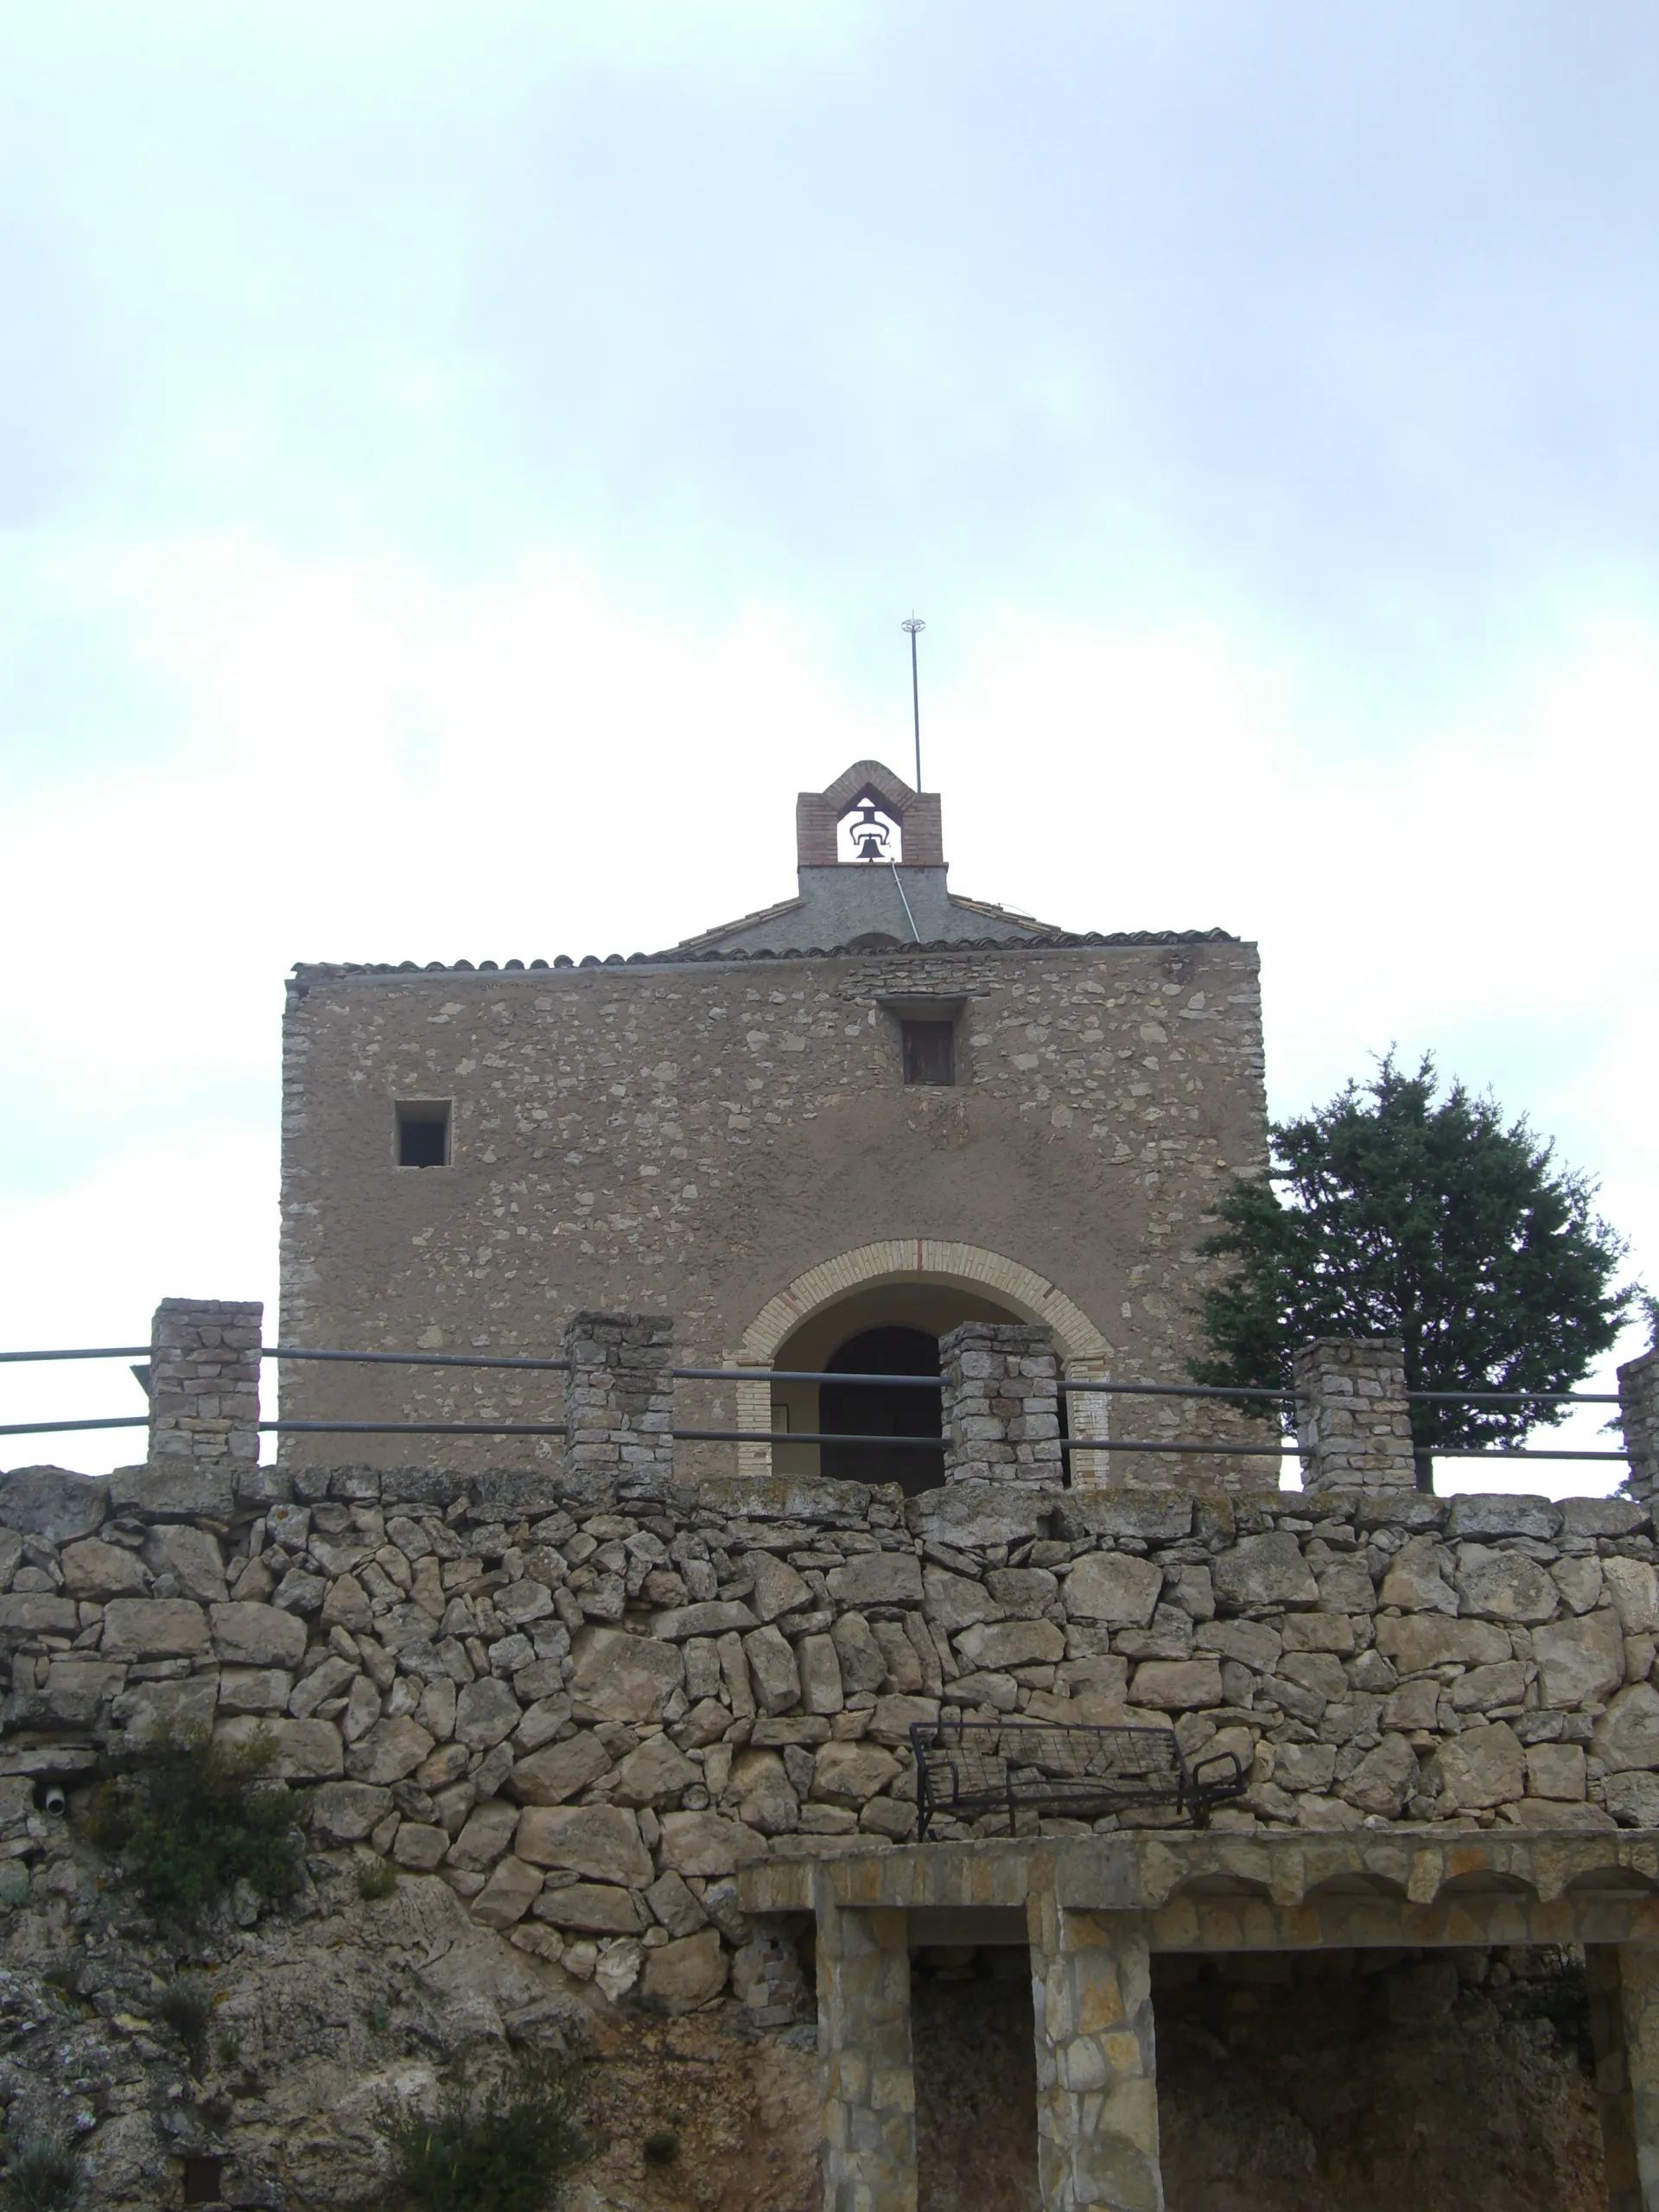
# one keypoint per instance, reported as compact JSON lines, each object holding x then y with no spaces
{"x":1392,"y":1213}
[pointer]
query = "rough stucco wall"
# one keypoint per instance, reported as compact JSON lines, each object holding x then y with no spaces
{"x":689,"y":1140}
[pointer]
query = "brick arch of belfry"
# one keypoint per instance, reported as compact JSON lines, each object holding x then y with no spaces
{"x":1085,"y":1355}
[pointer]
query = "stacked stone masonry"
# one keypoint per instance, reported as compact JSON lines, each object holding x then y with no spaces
{"x":587,"y":1702}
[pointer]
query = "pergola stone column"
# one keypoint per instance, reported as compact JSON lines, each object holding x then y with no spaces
{"x":869,"y":2091}
{"x":1625,"y":2028}
{"x":1096,"y":2066}
{"x":618,"y":1396}
{"x":1638,"y":1416}
{"x":203,"y":1379}
{"x":1000,"y":1408}
{"x":1352,"y":1422}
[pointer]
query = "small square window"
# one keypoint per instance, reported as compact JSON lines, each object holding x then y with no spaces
{"x":202,"y":2183}
{"x":930,"y":1051}
{"x":423,"y":1132}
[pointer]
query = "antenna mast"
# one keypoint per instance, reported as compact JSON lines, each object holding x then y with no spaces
{"x":913,"y":626}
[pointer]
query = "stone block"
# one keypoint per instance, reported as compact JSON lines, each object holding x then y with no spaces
{"x":175,"y":1490}
{"x":1633,"y":1585}
{"x":391,"y":1751}
{"x":488,"y":1832}
{"x":486,"y":1713}
{"x":778,"y":1588}
{"x":1632,"y":1798}
{"x":675,"y":1904}
{"x":820,"y":1669}
{"x":1176,"y":1685}
{"x":1581,"y":1662}
{"x":601,"y":1842}
{"x":953,"y":1600}
{"x":1416,"y":1642}
{"x":1011,"y":1643}
{"x":681,"y":1975}
{"x":152,"y":1628}
{"x":345,"y":1812}
{"x":849,"y":1774}
{"x":1478,"y":1515}
{"x":772,"y":1670}
{"x":1261,"y":1572}
{"x":1505,"y":1586}
{"x":710,"y":1617}
{"x":623,"y":1677}
{"x":53,"y":1503}
{"x":550,"y":1776}
{"x":1383,"y":1780}
{"x":165,"y":1713}
{"x":707,"y":1845}
{"x":1482,"y":1767}
{"x":254,"y":1689}
{"x":508,"y":1895}
{"x":654,"y":1775}
{"x":1152,"y":1516}
{"x":877,"y":1579}
{"x":303,"y":1751}
{"x":592,"y":1909}
{"x":191,"y":1556}
{"x":1555,"y":1770}
{"x":1627,"y":1734}
{"x":248,"y":1635}
{"x":420,"y":1847}
{"x":1115,"y":1587}
{"x":29,"y":1613}
{"x":894,"y":1716}
{"x":965,"y":1517}
{"x":97,"y":1570}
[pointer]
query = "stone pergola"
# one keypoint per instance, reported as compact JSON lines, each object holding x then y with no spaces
{"x":1092,"y":1910}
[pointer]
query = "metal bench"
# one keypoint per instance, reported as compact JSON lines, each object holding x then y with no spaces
{"x":968,"y":1768}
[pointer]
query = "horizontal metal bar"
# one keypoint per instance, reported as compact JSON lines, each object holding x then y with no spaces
{"x":414,"y":1358}
{"x":1514,"y":1397}
{"x":99,"y":1351}
{"x":1438,"y":1451}
{"x":802,"y":1375}
{"x":814,"y":1436}
{"x":1119,"y":1444}
{"x":1178,"y":1390}
{"x":413,"y":1427}
{"x":64,"y":1427}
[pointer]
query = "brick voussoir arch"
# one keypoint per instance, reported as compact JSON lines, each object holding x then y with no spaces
{"x":1085,"y":1354}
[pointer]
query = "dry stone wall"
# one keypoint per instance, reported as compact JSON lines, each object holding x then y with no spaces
{"x":584,"y":1703}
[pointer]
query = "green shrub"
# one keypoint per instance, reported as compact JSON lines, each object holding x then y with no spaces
{"x":376,"y":1878}
{"x":187,"y":2006}
{"x":192,"y":1820}
{"x":511,"y":2147}
{"x":42,"y":2175}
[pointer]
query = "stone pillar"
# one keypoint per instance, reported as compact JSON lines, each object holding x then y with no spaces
{"x":1638,"y":1416}
{"x":618,"y":1396}
{"x":869,"y":2092}
{"x":1096,"y":2068}
{"x":1001,"y":1410}
{"x":203,"y":1379}
{"x":1352,"y":1422}
{"x":1625,"y":2028}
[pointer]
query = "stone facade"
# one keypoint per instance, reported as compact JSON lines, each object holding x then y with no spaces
{"x":708,"y":1129}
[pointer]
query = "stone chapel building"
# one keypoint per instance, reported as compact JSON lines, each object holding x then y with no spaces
{"x":818,"y":1136}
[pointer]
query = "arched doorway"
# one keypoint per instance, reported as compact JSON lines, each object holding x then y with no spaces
{"x":868,"y":1409}
{"x":927,"y":1284}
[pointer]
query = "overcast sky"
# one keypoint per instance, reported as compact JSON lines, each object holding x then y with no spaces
{"x":462,"y":469}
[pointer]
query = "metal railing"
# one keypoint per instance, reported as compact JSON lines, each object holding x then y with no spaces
{"x":1066,"y":1386}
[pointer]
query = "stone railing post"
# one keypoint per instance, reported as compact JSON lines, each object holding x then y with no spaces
{"x":1097,"y":2145}
{"x":1638,"y":1416}
{"x":203,"y":1379}
{"x":1001,"y":1409}
{"x":618,"y":1399}
{"x":1352,"y":1422}
{"x":864,"y":2051}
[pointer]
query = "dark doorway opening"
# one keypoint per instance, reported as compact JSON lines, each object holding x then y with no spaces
{"x":869,"y":1409}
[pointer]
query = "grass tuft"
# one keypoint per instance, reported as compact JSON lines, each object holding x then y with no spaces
{"x":510,"y":2147}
